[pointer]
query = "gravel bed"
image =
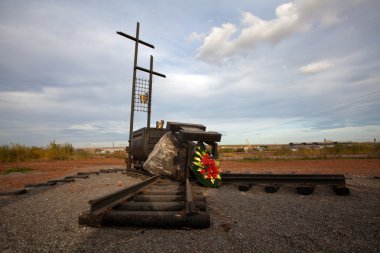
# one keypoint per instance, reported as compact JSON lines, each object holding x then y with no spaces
{"x":46,"y":220}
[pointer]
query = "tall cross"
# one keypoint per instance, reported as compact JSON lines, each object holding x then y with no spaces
{"x":151,"y":73}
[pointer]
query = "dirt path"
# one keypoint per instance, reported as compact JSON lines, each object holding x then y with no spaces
{"x":46,"y":170}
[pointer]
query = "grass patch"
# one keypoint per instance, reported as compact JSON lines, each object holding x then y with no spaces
{"x":264,"y":159}
{"x":299,"y":158}
{"x":254,"y":159}
{"x":16,"y":170}
{"x":53,"y":151}
{"x":116,"y":154}
{"x":370,"y":149}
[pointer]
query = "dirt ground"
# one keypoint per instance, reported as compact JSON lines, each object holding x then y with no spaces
{"x":252,"y":221}
{"x":46,"y":170}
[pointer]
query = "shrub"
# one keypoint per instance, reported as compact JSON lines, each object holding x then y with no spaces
{"x":116,"y":154}
{"x":240,"y":150}
{"x":226,"y":150}
{"x":81,"y":154}
{"x":21,"y":153}
{"x":59,"y":151}
{"x":14,"y":153}
{"x":353,"y":149}
{"x":284,"y":151}
{"x":370,"y":149}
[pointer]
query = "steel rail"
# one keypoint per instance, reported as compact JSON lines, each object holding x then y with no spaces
{"x":330,"y":179}
{"x":101,"y":204}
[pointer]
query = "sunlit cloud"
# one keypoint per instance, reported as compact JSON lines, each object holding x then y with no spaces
{"x":294,"y":17}
{"x":315,"y":67}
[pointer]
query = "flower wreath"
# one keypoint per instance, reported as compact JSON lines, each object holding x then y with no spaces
{"x":205,"y":168}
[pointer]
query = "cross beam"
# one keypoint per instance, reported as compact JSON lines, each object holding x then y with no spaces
{"x":151,"y":73}
{"x":148,"y":71}
{"x":134,"y":39}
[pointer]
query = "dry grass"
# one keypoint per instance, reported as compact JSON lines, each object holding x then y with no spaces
{"x":22,"y":153}
{"x":361,"y":150}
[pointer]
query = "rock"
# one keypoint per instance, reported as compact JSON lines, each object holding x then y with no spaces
{"x":168,"y":158}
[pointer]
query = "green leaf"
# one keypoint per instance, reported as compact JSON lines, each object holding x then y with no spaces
{"x":198,"y":164}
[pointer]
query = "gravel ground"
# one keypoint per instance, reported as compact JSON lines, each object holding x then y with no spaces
{"x":46,"y":220}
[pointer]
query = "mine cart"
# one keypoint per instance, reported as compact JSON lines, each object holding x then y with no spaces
{"x":143,"y":142}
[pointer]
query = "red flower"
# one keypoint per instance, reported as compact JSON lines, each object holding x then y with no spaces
{"x":208,"y":167}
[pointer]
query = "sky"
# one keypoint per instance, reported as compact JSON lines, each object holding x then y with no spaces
{"x":256,"y":71}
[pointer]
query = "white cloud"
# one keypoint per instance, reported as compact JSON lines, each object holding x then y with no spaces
{"x":188,"y":85}
{"x":217,"y":44}
{"x":294,"y":17}
{"x":102,"y":126}
{"x":315,"y":67}
{"x":194,"y":36}
{"x":84,"y":127}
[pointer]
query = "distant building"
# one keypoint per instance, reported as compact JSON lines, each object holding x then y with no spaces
{"x":104,"y":150}
{"x":261,"y":147}
{"x":316,"y":145}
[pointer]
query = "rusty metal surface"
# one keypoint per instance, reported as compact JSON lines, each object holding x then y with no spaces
{"x":176,"y":126}
{"x":143,"y":142}
{"x":187,"y":135}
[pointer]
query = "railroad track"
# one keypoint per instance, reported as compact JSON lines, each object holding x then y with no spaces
{"x":154,"y":202}
{"x":161,"y":202}
{"x":304,"y":183}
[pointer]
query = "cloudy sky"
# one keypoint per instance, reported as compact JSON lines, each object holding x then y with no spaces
{"x":258,"y":71}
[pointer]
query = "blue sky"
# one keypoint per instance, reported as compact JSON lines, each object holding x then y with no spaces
{"x":262,"y":71}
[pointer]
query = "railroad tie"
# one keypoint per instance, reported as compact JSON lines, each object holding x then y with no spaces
{"x":155,"y":203}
